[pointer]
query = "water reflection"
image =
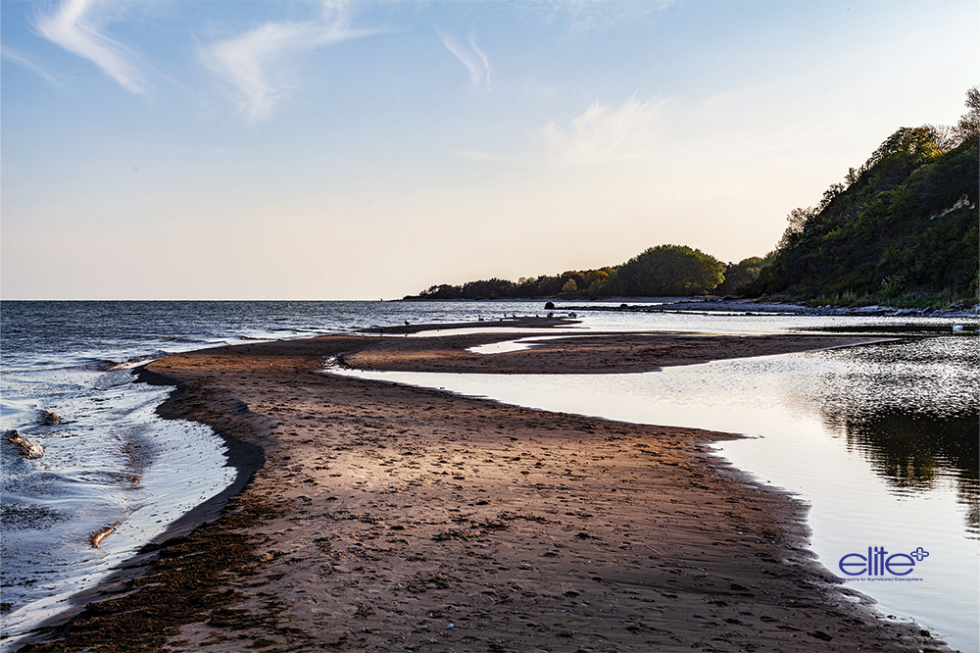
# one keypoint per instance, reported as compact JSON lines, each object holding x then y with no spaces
{"x":911,"y":409}
{"x":912,"y":450}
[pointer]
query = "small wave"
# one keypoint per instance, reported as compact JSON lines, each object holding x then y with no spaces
{"x":20,"y":516}
{"x":132,"y":363}
{"x":102,"y":477}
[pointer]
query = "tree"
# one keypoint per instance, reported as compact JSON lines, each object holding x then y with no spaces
{"x":969,"y":125}
{"x":671,"y":270}
{"x":917,"y":144}
{"x":946,"y":137}
{"x":797,"y":219}
{"x":737,"y":276}
{"x":442,"y":291}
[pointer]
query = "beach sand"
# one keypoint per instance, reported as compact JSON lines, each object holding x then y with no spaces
{"x":391,"y":518}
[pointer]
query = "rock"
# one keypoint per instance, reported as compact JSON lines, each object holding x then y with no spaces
{"x":50,"y":419}
{"x":31,"y":450}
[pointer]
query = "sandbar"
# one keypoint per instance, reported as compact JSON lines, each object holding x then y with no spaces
{"x":382,"y":517}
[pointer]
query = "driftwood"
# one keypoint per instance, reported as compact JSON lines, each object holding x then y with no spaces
{"x":101,"y":535}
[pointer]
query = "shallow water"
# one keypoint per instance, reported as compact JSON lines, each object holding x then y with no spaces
{"x":880,"y":440}
{"x":111,"y":463}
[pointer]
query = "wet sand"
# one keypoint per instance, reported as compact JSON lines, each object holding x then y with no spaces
{"x":390,"y":518}
{"x":594,"y":353}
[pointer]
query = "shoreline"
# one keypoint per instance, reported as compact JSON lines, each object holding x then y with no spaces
{"x":712,"y":304}
{"x":321,"y":521}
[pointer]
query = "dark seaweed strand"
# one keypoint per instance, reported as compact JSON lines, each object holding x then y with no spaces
{"x":188,"y":582}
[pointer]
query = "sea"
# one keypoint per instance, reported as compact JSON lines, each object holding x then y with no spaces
{"x":879,"y":441}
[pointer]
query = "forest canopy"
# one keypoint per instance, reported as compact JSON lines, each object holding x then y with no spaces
{"x":662,"y":271}
{"x":669,"y":271}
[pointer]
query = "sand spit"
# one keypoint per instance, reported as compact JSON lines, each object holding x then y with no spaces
{"x":594,"y":353}
{"x":390,"y":518}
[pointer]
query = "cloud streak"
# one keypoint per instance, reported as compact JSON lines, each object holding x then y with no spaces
{"x":6,"y":53}
{"x":259,"y":65}
{"x":588,"y":15}
{"x":475,"y":60}
{"x":602,"y":134}
{"x":75,"y":27}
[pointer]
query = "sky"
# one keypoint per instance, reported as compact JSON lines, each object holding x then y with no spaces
{"x":187,"y":149}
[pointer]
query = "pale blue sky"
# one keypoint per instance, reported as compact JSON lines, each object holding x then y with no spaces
{"x":331,"y":150}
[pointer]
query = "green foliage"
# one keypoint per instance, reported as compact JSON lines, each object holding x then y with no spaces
{"x":916,"y":144}
{"x":742,"y":274}
{"x":568,"y":283}
{"x":893,"y":286}
{"x":671,"y":270}
{"x":907,"y":224}
{"x":969,"y":125}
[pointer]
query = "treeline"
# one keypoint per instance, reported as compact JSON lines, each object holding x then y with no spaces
{"x":903,"y":224}
{"x":662,"y":271}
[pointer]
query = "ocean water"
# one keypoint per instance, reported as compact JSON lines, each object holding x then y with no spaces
{"x":111,"y":462}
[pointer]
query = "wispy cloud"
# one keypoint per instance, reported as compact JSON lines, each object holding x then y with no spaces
{"x":473,"y":58}
{"x":260,"y":64}
{"x":9,"y":54}
{"x":602,"y":134}
{"x":75,"y":26}
{"x":587,"y":15}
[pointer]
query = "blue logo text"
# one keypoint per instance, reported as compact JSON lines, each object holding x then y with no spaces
{"x":879,"y":562}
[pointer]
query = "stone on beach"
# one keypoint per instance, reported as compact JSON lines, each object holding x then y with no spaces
{"x":31,"y":450}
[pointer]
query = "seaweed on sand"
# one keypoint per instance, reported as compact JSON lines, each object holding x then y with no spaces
{"x":187,"y":582}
